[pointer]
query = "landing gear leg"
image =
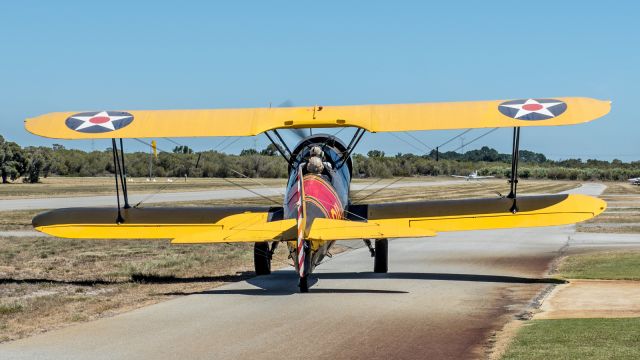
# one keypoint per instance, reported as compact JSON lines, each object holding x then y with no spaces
{"x":262,"y":258}
{"x":371,"y":249}
{"x":381,"y":259}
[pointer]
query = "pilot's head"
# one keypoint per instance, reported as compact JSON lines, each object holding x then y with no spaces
{"x":315,"y":165}
{"x":316,"y":151}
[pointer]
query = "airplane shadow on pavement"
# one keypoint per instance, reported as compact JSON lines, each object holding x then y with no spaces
{"x":284,"y":282}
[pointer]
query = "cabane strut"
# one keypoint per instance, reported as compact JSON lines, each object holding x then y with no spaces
{"x":352,"y":145}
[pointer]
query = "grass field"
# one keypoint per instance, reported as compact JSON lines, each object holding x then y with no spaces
{"x":577,"y":339}
{"x":592,"y":338}
{"x":607,"y":265}
{"x":48,"y":282}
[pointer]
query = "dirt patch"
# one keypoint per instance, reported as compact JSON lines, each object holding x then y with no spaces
{"x":502,"y":339}
{"x":592,"y":298}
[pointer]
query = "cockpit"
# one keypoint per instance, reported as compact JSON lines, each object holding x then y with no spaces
{"x":317,"y":163}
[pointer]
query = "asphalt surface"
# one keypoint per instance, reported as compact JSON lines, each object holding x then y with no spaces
{"x":162,"y":197}
{"x":442,"y":299}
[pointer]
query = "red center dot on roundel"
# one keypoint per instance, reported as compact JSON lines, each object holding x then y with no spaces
{"x":532,"y":107}
{"x":99,"y":119}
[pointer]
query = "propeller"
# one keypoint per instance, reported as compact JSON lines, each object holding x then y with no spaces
{"x":300,"y":133}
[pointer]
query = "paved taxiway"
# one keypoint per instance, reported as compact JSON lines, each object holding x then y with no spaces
{"x":162,"y":197}
{"x":443,"y":298}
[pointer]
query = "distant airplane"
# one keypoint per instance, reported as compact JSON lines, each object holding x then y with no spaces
{"x":473,"y":176}
{"x":635,"y":181}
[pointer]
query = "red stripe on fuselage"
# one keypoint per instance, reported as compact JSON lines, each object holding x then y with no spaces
{"x":319,"y":192}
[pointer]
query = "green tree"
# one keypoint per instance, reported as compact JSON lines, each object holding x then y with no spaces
{"x":248,"y":152}
{"x":182,"y":149}
{"x":271,"y":150}
{"x":375,"y":154}
{"x":12,"y":160}
{"x":35,"y":166}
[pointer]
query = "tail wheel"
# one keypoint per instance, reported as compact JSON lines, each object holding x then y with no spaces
{"x":381,"y":260}
{"x":262,"y":258}
{"x":304,"y":284}
{"x":304,"y":280}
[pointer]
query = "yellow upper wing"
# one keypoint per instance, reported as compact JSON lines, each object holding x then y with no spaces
{"x":374,"y":118}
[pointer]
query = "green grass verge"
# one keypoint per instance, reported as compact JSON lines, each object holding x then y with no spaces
{"x":609,"y":265}
{"x":577,"y":339}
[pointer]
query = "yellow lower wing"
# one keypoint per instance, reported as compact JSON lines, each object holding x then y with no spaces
{"x":330,"y":229}
{"x":155,"y":223}
{"x":280,"y":230}
{"x":255,"y":224}
{"x":482,"y":214}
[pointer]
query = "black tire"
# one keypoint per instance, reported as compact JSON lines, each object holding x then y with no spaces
{"x":304,"y":284}
{"x":381,"y":260}
{"x":262,"y":258}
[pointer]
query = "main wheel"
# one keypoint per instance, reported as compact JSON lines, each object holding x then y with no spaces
{"x":304,"y":284}
{"x":262,"y":258}
{"x":381,"y":260}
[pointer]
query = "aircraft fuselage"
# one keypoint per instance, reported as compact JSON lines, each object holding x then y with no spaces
{"x":326,"y":194}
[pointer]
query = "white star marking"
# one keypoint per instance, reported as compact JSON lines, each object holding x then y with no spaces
{"x":86,"y":120}
{"x":542,"y":111}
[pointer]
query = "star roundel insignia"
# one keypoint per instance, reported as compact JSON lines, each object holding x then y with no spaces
{"x":533,"y":109}
{"x":99,"y":122}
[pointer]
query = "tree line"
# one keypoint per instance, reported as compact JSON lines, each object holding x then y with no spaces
{"x":28,"y":164}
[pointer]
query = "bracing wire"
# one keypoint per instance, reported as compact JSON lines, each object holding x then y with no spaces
{"x":251,"y":191}
{"x":453,"y":138}
{"x":406,"y":142}
{"x":367,"y":186}
{"x":377,"y":191}
{"x":418,"y":140}
{"x":477,"y":138}
{"x":229,"y":144}
{"x":256,"y":181}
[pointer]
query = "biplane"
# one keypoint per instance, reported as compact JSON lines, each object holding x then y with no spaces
{"x":316,"y":209}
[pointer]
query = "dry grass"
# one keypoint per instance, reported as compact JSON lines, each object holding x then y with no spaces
{"x":622,"y":214}
{"x":621,"y":188}
{"x":17,"y":220}
{"x":59,"y":186}
{"x":465,"y":189}
{"x":47,"y":283}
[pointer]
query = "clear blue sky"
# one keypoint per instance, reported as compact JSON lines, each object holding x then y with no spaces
{"x":78,"y":55}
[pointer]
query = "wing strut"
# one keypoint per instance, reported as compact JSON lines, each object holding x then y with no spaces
{"x":123,"y":177}
{"x":286,"y":157}
{"x":515,"y":157}
{"x":352,"y":145}
{"x":116,"y":162}
{"x":119,"y":171}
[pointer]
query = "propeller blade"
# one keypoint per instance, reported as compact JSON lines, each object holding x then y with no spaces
{"x":301,"y":133}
